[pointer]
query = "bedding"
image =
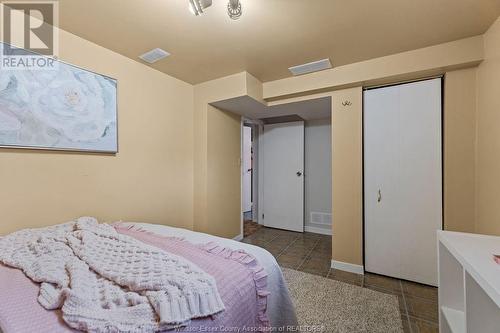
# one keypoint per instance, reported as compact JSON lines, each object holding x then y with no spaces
{"x":106,"y":281}
{"x":231,"y":263}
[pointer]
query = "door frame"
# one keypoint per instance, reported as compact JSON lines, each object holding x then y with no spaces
{"x":256,"y":188}
{"x":442,"y":77}
{"x":243,"y":171}
{"x":260,"y":166}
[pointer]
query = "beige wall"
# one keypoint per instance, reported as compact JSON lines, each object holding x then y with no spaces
{"x":409,"y":65}
{"x":347,"y":192}
{"x":459,"y":137}
{"x":217,"y":150}
{"x":224,"y":174}
{"x":179,"y":157}
{"x":461,"y":165}
{"x":459,"y":144}
{"x":149,"y":180}
{"x":205,"y":93}
{"x":459,"y":161}
{"x":488,"y":136}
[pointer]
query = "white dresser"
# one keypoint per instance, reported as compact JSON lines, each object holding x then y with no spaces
{"x":469,"y":283}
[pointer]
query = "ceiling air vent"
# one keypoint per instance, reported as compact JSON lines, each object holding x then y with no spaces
{"x":311,"y":67}
{"x":154,"y":55}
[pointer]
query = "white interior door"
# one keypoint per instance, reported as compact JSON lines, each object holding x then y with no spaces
{"x":403,"y":180}
{"x":247,"y":169}
{"x":283,"y":168}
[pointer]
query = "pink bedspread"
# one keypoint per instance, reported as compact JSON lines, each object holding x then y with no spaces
{"x":241,"y":282}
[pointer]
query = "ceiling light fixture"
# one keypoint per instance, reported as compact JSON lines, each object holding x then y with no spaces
{"x":234,"y":9}
{"x":196,"y":7}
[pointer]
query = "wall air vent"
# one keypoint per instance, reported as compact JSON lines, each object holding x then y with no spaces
{"x":154,"y":55}
{"x":311,"y":67}
{"x":321,"y":218}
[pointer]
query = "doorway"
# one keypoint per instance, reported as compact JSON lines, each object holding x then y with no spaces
{"x":308,"y":207}
{"x":249,"y":176}
{"x":303,"y":182}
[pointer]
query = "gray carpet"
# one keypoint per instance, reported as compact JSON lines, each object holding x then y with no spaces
{"x":341,"y":307}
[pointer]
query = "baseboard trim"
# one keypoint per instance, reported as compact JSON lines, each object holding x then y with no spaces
{"x":347,"y":267}
{"x":317,"y":230}
{"x":238,"y":238}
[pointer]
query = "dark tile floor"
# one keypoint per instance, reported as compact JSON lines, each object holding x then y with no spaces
{"x":311,"y":253}
{"x":250,"y":228}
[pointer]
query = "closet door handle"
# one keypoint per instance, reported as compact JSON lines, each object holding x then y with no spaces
{"x":379,"y":196}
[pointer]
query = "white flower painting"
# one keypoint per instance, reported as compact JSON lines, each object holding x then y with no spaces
{"x":67,"y":108}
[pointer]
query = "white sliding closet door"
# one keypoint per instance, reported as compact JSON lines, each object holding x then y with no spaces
{"x":403,"y":180}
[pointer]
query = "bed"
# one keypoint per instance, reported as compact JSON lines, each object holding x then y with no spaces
{"x":20,"y":311}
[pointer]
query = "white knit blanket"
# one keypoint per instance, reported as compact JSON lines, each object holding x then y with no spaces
{"x":107,"y":282}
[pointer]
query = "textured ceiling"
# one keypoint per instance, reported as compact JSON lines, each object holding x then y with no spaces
{"x":272,"y":35}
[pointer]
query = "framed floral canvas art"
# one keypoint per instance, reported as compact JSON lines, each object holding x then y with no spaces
{"x":64,"y":108}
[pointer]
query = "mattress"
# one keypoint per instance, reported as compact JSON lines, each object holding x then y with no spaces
{"x":280,"y":309}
